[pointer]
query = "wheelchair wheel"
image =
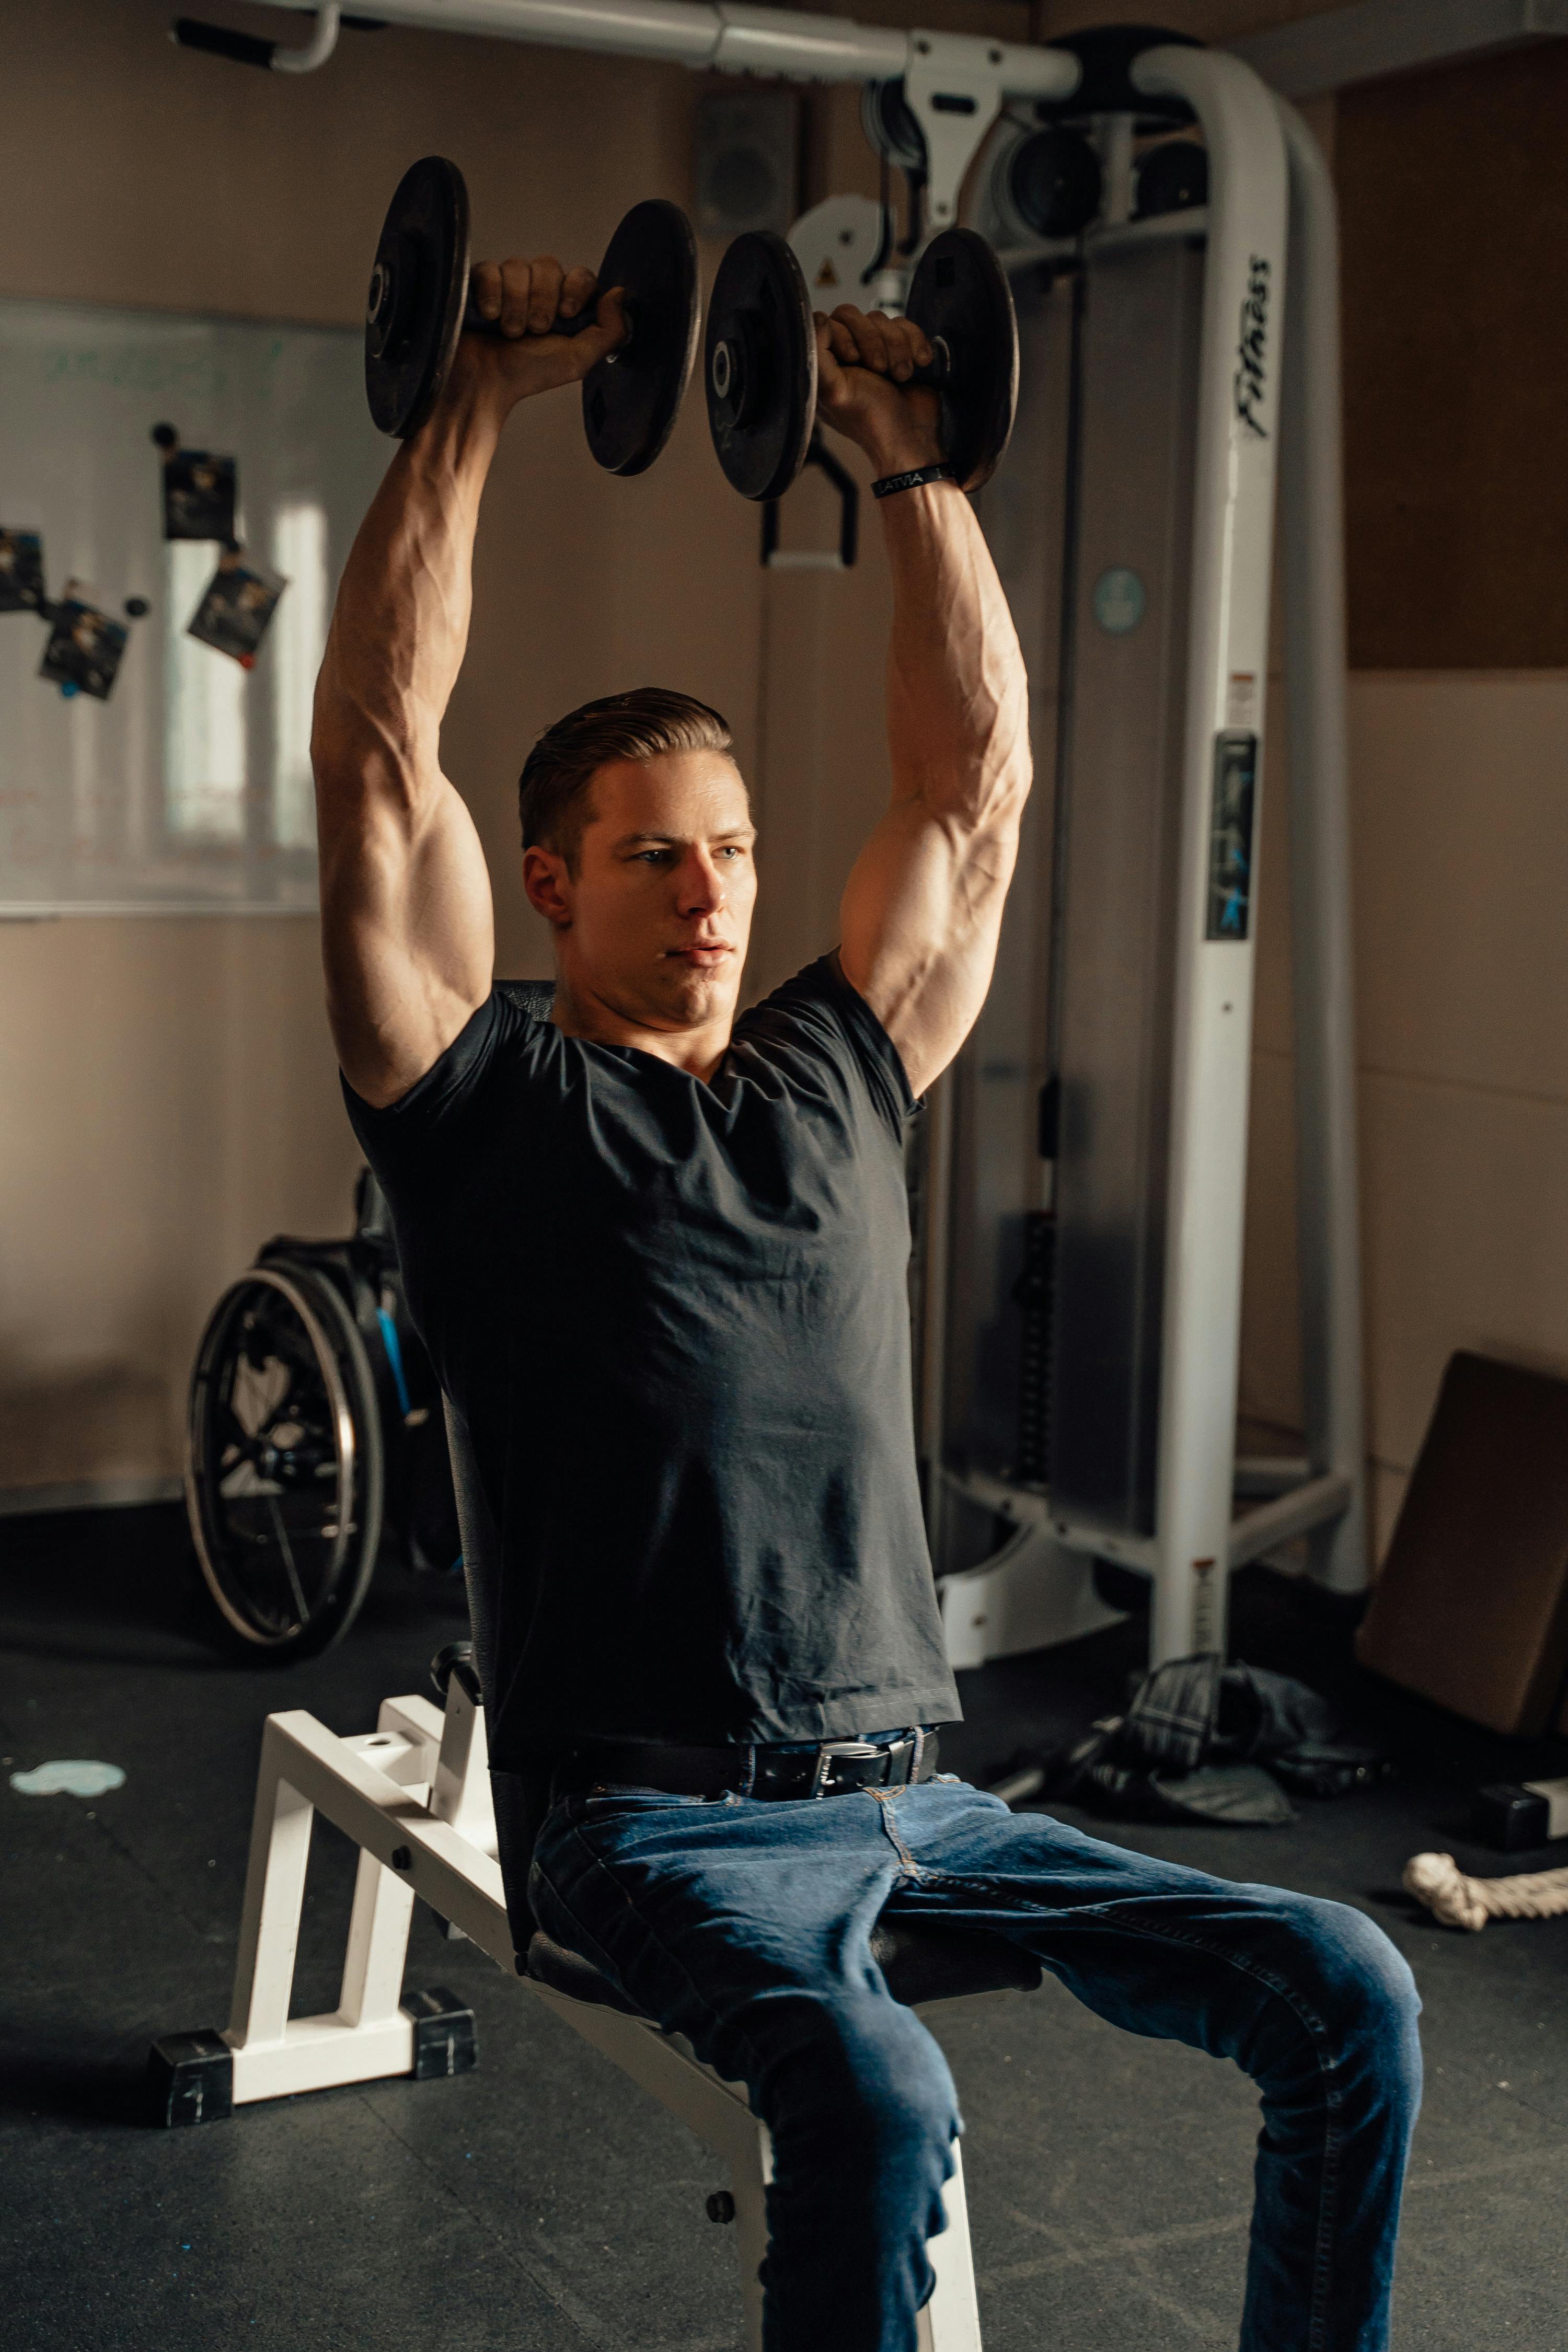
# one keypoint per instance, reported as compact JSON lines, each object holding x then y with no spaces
{"x":283,"y":1462}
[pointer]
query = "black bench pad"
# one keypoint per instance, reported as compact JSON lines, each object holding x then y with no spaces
{"x":919,"y":1963}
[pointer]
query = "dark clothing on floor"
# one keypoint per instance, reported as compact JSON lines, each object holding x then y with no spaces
{"x":674,"y":1317}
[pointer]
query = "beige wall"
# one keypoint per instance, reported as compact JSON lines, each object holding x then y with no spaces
{"x":167,"y":1093}
{"x":167,"y":1097}
{"x":1461,"y":845}
{"x":1460,"y":836}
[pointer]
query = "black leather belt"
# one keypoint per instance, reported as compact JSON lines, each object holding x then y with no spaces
{"x":831,"y":1769}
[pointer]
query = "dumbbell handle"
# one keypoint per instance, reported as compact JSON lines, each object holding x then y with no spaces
{"x":727,"y":367}
{"x":933,"y":376}
{"x":474,"y":323}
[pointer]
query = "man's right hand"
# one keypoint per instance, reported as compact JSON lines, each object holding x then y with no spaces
{"x":525,"y":299}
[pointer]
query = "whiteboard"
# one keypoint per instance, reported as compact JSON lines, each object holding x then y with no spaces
{"x":189,"y":789}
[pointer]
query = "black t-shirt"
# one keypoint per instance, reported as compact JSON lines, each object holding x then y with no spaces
{"x":674,"y":1317}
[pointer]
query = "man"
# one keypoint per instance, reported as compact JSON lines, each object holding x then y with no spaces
{"x":659,"y":1253}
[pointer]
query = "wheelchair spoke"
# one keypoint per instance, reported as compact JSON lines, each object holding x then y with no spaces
{"x":298,"y":1590}
{"x":286,"y":1455}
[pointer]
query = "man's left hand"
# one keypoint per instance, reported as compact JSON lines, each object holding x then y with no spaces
{"x":865,"y":362}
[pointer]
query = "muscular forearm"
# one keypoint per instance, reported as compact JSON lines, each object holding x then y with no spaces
{"x":922,"y":907}
{"x":401,"y":622}
{"x":407,"y":929}
{"x":958,"y":726}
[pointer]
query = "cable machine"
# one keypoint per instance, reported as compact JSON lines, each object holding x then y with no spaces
{"x":1085,"y":1189}
{"x":1080,"y":1261}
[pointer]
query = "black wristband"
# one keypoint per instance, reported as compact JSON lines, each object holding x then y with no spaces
{"x":922,"y":474}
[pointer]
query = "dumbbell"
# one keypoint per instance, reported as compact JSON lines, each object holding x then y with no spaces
{"x":418,"y":304}
{"x":761,"y":358}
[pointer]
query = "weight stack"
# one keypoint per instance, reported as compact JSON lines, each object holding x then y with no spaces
{"x":1035,"y":1292}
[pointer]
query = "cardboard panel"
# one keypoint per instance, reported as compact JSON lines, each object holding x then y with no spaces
{"x":1471,"y":1608}
{"x":1384,"y":1499}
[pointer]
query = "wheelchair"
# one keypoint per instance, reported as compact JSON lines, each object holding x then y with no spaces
{"x":315,"y":1444}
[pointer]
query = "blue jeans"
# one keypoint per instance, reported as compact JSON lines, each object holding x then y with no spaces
{"x":745,"y":1925}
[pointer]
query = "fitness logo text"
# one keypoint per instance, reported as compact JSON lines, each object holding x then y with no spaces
{"x":1251,"y":373}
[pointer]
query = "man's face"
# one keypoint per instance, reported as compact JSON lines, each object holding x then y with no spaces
{"x":654,"y":924}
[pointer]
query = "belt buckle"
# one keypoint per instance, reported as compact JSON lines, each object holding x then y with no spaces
{"x":829,"y":1750}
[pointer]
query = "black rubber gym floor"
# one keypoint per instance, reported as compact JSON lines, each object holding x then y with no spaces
{"x":542,"y":2203}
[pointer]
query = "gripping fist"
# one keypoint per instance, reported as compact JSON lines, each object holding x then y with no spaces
{"x":527,"y":298}
{"x":865,"y":362}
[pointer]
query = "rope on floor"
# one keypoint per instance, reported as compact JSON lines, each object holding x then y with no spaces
{"x":1436,"y":1880}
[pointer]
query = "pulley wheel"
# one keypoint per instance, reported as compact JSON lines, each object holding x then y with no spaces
{"x":631,"y":400}
{"x":415,"y":305}
{"x":962,"y":302}
{"x":759,"y":366}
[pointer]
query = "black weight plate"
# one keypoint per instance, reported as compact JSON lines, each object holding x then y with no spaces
{"x":631,"y":400}
{"x":415,"y":299}
{"x":759,"y":366}
{"x":960,"y":294}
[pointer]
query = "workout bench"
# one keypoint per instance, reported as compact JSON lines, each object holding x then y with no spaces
{"x":413,"y":1796}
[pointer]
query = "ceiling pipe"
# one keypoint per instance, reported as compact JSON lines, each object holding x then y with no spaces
{"x":316,"y":50}
{"x":729,"y":38}
{"x":246,"y":49}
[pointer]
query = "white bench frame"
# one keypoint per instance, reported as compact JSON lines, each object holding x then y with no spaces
{"x":413,"y":1796}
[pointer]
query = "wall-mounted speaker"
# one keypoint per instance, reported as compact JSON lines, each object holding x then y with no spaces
{"x":745,"y":164}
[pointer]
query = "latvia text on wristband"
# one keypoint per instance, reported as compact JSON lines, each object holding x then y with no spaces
{"x":891,"y":482}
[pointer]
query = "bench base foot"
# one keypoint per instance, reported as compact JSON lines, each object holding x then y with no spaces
{"x":201,"y":2078}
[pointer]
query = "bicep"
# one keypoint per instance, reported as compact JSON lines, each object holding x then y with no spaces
{"x":921,"y":919}
{"x":407,"y":931}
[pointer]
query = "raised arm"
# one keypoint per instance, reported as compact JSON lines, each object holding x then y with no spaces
{"x":407,"y":927}
{"x":922,"y":910}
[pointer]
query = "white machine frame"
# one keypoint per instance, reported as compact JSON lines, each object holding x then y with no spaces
{"x":413,"y":1796}
{"x":953,"y":83}
{"x":1270,"y":192}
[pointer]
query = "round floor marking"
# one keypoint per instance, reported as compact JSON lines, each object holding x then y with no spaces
{"x":68,"y":1776}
